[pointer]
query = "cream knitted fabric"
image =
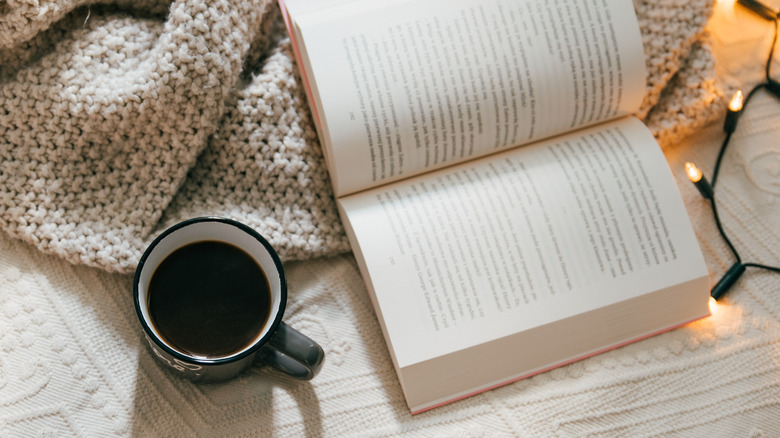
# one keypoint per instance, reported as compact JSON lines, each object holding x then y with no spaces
{"x":118,"y":119}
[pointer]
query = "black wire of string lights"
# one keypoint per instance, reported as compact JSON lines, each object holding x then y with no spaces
{"x":707,"y":189}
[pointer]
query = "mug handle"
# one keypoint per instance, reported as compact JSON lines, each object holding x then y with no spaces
{"x":293,"y":353}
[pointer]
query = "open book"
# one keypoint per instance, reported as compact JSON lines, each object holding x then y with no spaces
{"x":507,"y":212}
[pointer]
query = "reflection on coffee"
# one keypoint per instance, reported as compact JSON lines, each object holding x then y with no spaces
{"x":209,"y":299}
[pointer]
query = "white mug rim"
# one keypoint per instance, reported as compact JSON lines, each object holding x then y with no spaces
{"x":279,"y":293}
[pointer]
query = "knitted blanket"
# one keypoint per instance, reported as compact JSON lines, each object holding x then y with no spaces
{"x":119,"y":118}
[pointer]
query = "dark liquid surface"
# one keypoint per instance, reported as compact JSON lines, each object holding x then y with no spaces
{"x":209,"y":299}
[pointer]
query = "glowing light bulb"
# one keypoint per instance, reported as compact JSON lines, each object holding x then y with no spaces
{"x":697,"y":178}
{"x":724,"y":15}
{"x":714,"y":306}
{"x":735,"y":104}
{"x":694,"y":174}
{"x":734,"y":110}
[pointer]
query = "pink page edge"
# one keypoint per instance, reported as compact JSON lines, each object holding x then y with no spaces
{"x":525,"y":376}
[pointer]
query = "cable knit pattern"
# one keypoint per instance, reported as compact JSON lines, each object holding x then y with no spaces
{"x":73,"y":362}
{"x":118,"y":119}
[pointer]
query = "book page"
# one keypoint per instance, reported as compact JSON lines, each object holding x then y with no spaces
{"x":509,"y":242}
{"x":403,"y":87}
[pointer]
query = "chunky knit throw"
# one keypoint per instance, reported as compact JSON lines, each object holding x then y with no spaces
{"x":119,"y":118}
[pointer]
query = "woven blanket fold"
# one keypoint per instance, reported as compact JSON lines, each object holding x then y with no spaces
{"x":118,"y":119}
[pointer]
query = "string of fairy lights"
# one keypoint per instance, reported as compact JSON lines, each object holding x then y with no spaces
{"x":736,"y":107}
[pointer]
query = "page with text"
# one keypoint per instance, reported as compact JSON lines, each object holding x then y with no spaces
{"x":404,"y":87}
{"x":495,"y":246}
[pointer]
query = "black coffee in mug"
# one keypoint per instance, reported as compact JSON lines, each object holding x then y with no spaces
{"x":209,"y":299}
{"x":210,"y":294}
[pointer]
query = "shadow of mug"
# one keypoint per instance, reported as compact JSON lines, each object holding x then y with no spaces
{"x":210,"y":294}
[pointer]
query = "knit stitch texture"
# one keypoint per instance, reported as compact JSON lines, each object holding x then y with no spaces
{"x":119,"y":118}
